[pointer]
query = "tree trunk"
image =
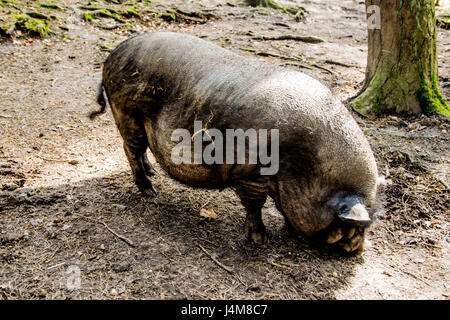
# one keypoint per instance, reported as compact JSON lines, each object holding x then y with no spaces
{"x":401,"y":74}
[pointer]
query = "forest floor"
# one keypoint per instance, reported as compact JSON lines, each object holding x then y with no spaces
{"x":69,"y":207}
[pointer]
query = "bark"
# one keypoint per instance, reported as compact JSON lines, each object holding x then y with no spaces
{"x":402,"y":74}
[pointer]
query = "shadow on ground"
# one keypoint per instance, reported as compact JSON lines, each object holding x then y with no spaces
{"x":125,"y":246}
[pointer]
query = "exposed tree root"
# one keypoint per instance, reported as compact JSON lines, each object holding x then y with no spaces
{"x":337,"y":63}
{"x":297,"y":13}
{"x":276,"y":55}
{"x":175,"y":14}
{"x":307,"y":39}
{"x":443,"y":22}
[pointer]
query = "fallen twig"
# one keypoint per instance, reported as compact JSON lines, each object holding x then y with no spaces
{"x":279,"y":265}
{"x":56,"y":266}
{"x":411,"y":275}
{"x":230,"y":270}
{"x":128,"y":241}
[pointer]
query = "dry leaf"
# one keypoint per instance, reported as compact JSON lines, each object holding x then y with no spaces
{"x":208,"y":213}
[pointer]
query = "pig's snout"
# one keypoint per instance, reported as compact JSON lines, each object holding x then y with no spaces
{"x":350,"y":208}
{"x":352,"y":219}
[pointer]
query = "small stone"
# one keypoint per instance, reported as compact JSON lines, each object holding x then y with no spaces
{"x":42,"y":293}
{"x":11,"y":238}
{"x":35,"y":222}
{"x":420,"y":261}
{"x":51,"y":233}
{"x":10,"y":186}
{"x":121,"y":267}
{"x":114,"y":292}
{"x":393,"y":118}
{"x":119,"y":206}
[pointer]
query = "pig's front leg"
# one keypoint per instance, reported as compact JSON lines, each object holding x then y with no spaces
{"x":253,"y":195}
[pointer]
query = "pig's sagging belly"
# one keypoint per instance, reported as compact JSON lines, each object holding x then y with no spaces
{"x":159,"y":133}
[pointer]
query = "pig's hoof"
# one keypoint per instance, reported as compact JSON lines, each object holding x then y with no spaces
{"x":335,"y":235}
{"x":150,"y":171}
{"x":146,"y":188}
{"x":255,"y":234}
{"x":354,"y":241}
{"x":349,"y":238}
{"x":149,"y":192}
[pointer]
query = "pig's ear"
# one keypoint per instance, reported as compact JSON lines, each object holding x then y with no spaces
{"x":350,"y":208}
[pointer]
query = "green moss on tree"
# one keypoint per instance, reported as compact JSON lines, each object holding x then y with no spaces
{"x":373,"y":96}
{"x":431,"y":98}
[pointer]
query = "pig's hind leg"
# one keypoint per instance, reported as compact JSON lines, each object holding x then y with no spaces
{"x":149,"y":170}
{"x":135,"y":145}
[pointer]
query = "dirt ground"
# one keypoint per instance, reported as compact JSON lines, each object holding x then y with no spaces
{"x":69,"y":209}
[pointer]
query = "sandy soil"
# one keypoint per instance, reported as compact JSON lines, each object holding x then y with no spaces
{"x":68,"y":205}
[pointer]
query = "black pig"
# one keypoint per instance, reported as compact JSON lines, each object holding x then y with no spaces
{"x":326,"y":183}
